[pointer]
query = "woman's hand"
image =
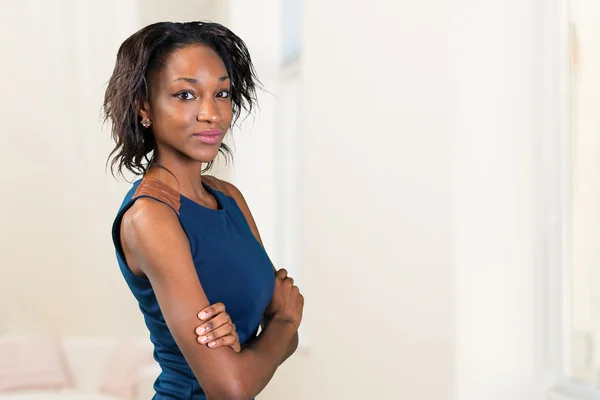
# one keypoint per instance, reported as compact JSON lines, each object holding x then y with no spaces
{"x":287,"y":303}
{"x":217,"y":329}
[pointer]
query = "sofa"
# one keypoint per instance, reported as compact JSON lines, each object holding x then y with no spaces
{"x":76,"y":368}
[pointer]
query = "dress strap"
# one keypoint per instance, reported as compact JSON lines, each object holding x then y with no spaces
{"x":155,"y":189}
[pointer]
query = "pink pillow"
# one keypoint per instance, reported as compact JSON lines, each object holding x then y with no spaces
{"x":32,"y":363}
{"x":123,"y":369}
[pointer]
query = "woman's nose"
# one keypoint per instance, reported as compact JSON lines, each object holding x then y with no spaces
{"x":209,"y":111}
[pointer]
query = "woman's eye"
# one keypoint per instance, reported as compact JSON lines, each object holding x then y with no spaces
{"x":186,"y":96}
{"x":223,"y":94}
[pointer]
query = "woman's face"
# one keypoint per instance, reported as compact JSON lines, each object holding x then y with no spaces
{"x":190,"y":104}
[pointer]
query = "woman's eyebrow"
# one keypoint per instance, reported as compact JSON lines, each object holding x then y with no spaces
{"x":194,"y":80}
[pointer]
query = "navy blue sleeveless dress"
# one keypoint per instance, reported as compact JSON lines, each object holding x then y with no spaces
{"x":232,"y":266}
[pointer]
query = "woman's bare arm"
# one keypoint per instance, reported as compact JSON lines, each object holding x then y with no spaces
{"x":155,"y":245}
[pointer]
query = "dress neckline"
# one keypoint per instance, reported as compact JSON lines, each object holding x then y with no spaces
{"x":216,"y":195}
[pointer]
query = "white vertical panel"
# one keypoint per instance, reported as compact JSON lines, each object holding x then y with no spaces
{"x":502,"y":220}
{"x":255,"y":171}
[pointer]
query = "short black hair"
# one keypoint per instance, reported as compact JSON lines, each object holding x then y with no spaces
{"x":145,"y":53}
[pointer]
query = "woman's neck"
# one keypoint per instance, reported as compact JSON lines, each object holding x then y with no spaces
{"x":185,"y":177}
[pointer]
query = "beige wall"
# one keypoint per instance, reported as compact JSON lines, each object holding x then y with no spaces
{"x":376,"y":238}
{"x":151,"y":11}
{"x":57,"y":258}
{"x":502,"y":338}
{"x":507,"y":108}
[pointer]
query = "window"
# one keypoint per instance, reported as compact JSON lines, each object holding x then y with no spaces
{"x":291,"y":26}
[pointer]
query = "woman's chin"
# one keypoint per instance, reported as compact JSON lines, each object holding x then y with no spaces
{"x":205,"y":156}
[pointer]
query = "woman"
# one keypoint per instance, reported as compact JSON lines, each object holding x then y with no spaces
{"x":185,"y":241}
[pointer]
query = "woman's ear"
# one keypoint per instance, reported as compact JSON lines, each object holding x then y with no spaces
{"x":144,"y":114}
{"x":144,"y":109}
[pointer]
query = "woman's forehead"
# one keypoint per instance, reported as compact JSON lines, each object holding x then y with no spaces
{"x":194,"y":62}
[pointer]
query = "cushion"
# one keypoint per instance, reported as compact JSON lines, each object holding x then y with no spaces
{"x":32,"y":363}
{"x":124,"y":366}
{"x":87,"y":358}
{"x":53,"y":395}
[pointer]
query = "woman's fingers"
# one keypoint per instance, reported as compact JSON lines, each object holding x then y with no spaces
{"x":217,"y":333}
{"x":222,"y":336}
{"x":218,"y":330}
{"x":281,"y":273}
{"x":214,"y":323}
{"x":210,"y":311}
{"x":230,"y":340}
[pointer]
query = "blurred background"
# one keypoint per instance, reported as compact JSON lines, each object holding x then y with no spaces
{"x":427,"y":171}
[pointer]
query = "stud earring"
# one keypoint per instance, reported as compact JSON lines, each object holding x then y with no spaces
{"x":146,"y":122}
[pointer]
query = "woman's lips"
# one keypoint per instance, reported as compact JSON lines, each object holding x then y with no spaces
{"x":210,"y":136}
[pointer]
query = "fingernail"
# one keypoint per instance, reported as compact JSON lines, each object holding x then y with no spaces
{"x":201,"y":331}
{"x":203,"y":339}
{"x":203,"y":315}
{"x":212,"y":344}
